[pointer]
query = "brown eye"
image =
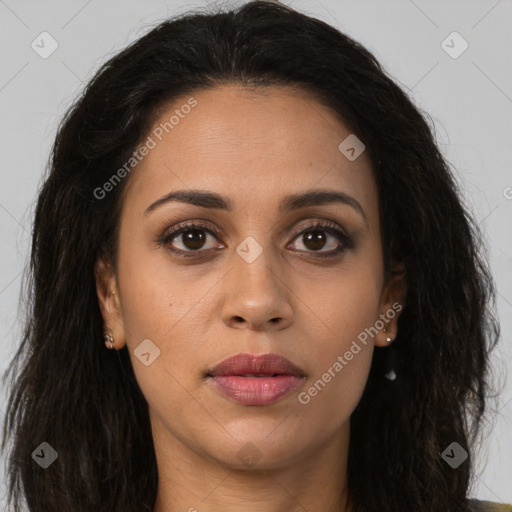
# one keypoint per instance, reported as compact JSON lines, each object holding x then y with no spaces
{"x":193,"y":239}
{"x":315,"y":240}
{"x":322,"y":235}
{"x":186,"y":239}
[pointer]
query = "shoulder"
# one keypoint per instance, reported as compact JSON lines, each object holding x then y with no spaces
{"x":489,"y":506}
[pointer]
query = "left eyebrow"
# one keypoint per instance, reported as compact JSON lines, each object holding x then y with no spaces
{"x":290,"y":203}
{"x":319,"y":198}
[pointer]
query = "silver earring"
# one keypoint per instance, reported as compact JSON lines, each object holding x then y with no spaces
{"x":388,"y":339}
{"x":391,"y":375}
{"x":109,"y":340}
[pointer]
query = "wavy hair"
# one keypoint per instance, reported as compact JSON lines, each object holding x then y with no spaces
{"x":67,"y":390}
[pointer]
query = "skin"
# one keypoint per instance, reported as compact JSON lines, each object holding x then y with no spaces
{"x":254,"y":147}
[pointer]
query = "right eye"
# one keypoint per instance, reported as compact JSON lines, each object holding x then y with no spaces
{"x":193,"y":238}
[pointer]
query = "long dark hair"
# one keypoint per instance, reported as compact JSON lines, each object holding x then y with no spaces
{"x":83,"y":400}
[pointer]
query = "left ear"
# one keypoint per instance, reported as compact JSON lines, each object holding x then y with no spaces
{"x":392,"y":304}
{"x":109,"y":301}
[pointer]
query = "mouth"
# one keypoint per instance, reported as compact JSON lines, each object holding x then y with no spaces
{"x":255,"y":365}
{"x":255,"y":379}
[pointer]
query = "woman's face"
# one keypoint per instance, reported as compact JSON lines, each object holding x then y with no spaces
{"x":259,"y":279}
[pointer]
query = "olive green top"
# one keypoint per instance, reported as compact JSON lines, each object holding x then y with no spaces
{"x":489,"y":506}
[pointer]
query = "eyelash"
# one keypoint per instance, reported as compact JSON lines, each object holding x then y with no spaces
{"x":328,"y":227}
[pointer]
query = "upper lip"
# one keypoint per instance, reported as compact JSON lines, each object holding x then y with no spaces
{"x":243,"y":364}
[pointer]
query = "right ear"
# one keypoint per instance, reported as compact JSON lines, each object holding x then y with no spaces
{"x":109,"y":301}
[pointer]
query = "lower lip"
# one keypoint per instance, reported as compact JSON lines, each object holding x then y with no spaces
{"x":256,"y":390}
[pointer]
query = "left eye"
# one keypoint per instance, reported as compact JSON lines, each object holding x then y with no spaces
{"x":319,"y":236}
{"x":316,"y":239}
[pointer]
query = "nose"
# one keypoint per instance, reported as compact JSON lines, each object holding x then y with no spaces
{"x":256,"y":296}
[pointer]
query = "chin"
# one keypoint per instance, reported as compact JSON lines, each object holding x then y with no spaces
{"x":255,"y":450}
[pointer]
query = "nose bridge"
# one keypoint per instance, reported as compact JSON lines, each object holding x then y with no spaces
{"x":254,"y":263}
{"x":254,"y":272}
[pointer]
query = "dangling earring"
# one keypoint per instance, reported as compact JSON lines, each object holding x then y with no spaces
{"x":391,"y":375}
{"x":109,"y":340}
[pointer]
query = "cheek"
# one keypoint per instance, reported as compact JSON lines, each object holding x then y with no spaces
{"x":346,"y":302}
{"x":334,"y":390}
{"x":153,"y":297}
{"x":161,"y":306}
{"x":348,"y":307}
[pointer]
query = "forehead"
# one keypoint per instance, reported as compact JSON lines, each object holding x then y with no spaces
{"x":253,"y":145}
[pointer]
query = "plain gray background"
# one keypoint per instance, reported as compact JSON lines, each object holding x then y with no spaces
{"x":469,"y":99}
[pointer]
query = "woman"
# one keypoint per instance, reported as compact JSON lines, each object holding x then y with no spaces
{"x":254,"y":286}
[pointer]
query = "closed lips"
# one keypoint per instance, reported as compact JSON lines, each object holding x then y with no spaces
{"x":251,"y":379}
